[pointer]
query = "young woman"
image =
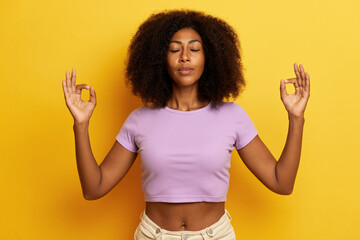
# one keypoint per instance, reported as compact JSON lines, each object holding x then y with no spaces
{"x":183,"y":64}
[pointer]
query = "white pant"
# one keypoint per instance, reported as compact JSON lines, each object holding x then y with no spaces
{"x":221,"y":230}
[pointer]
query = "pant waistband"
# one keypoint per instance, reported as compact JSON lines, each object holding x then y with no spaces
{"x":210,"y":231}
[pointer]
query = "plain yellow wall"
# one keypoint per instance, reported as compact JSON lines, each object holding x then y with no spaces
{"x":40,"y":190}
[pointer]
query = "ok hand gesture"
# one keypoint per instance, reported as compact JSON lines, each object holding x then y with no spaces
{"x":80,"y":110}
{"x":295,"y":103}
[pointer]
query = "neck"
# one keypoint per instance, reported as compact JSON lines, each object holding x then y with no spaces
{"x":185,"y":99}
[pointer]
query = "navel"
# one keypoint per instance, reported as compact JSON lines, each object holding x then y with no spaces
{"x":183,"y":225}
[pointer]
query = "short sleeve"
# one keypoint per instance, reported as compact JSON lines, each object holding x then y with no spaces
{"x":244,"y":127}
{"x":127,"y":134}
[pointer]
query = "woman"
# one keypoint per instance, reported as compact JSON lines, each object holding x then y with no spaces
{"x":183,"y":64}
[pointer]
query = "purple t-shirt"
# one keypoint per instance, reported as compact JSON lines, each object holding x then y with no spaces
{"x":185,"y":155}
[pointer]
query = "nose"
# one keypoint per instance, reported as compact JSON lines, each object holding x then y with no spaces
{"x":184,"y":57}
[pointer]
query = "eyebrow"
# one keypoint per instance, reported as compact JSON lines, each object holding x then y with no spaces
{"x":191,"y":41}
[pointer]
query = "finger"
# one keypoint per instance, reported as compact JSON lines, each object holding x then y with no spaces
{"x":302,"y":74}
{"x":297,"y":73}
{"x":64,"y":89}
{"x":307,"y":83}
{"x":294,"y":81}
{"x":73,"y":79}
{"x":290,"y":80}
{"x":283,"y":92}
{"x":68,"y":82}
{"x":81,"y":87}
{"x":92,"y":95}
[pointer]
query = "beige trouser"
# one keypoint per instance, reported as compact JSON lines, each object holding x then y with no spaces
{"x":221,"y":230}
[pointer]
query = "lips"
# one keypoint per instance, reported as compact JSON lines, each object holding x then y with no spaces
{"x":185,"y":70}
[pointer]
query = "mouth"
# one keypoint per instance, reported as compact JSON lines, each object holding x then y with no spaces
{"x":185,"y":70}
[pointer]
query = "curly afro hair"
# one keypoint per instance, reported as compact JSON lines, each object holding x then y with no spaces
{"x":146,"y":67}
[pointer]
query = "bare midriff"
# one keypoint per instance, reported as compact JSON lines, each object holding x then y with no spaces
{"x":185,"y":216}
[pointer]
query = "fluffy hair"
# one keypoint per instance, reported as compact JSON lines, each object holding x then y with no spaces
{"x":146,"y":66}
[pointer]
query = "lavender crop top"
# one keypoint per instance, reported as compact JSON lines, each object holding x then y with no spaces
{"x":185,"y":155}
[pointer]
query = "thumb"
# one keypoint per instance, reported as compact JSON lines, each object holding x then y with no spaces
{"x":283,"y":92}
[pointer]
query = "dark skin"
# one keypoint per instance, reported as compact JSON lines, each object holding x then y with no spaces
{"x":185,"y":67}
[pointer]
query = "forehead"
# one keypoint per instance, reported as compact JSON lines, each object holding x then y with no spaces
{"x":186,"y":34}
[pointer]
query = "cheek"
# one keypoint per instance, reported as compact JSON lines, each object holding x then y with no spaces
{"x":170,"y":67}
{"x":171,"y":62}
{"x":201,"y":62}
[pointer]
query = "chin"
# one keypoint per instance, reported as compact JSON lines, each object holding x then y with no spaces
{"x":186,"y":83}
{"x":186,"y":80}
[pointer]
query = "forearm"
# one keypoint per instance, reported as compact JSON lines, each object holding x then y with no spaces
{"x":287,"y":166}
{"x":88,"y":169}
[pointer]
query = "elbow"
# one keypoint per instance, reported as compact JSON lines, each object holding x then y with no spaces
{"x":286,"y":191}
{"x":90,"y":197}
{"x":281,"y":189}
{"x":92,"y":194}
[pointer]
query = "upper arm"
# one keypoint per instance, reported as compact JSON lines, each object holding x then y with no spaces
{"x":260,"y":162}
{"x":114,"y":167}
{"x":120,"y":157}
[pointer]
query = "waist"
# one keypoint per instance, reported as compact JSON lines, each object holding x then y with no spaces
{"x":192,"y":216}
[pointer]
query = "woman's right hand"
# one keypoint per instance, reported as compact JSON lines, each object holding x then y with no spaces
{"x":79,"y":109}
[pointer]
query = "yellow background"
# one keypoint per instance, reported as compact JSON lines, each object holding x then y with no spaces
{"x":40,"y":190}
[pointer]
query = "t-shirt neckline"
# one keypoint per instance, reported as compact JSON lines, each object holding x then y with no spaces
{"x":186,"y":112}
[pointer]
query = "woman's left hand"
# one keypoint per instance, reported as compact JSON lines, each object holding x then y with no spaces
{"x":295,"y":103}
